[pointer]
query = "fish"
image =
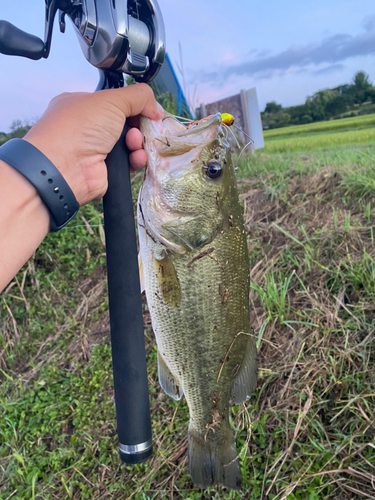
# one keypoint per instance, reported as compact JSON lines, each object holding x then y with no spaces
{"x":194,"y":269}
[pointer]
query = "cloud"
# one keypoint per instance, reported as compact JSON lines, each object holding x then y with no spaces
{"x":329,"y":69}
{"x":369,"y":22}
{"x":331,"y":50}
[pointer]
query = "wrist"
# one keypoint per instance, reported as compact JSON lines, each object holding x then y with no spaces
{"x":24,"y":222}
{"x":19,"y":196}
{"x":46,"y":179}
{"x":63,"y":163}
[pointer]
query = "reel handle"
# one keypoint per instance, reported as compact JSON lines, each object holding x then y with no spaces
{"x":125,"y":306}
{"x":15,"y":42}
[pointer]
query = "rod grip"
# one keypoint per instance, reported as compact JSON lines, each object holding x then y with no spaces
{"x":15,"y":42}
{"x":125,"y":308}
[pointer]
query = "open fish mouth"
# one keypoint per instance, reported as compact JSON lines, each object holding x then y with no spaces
{"x":175,"y":176}
{"x":169,"y":137}
{"x":170,"y":125}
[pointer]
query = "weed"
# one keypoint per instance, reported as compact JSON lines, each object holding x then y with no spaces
{"x":307,"y":432}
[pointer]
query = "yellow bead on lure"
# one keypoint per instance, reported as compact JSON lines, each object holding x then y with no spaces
{"x":195,"y":265}
{"x":227,"y":119}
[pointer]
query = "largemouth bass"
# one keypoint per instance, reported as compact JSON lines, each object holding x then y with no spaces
{"x":195,"y":264}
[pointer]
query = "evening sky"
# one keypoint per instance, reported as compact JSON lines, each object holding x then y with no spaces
{"x":287,"y":50}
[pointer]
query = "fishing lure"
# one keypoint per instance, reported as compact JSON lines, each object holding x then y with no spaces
{"x":226,"y":119}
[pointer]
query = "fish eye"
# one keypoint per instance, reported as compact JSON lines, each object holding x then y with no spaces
{"x":213,"y":170}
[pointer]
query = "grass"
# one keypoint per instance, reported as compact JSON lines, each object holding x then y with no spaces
{"x":351,"y":123}
{"x":308,"y":431}
{"x":316,"y":141}
{"x":321,"y":135}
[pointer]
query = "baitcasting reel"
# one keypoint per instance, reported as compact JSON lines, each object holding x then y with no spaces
{"x":124,"y":36}
{"x":116,"y":36}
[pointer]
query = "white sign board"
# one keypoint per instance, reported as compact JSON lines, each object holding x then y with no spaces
{"x":253,"y":122}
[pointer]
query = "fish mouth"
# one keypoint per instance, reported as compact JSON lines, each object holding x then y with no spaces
{"x":174,"y":149}
{"x":170,"y":137}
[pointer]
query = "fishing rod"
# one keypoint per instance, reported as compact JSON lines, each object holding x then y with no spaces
{"x":117,"y":37}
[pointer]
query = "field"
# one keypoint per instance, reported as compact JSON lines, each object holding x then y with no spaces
{"x":354,"y":123}
{"x":314,"y":136}
{"x":308,"y":431}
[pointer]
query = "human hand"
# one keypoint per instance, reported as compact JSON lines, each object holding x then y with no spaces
{"x":78,"y":131}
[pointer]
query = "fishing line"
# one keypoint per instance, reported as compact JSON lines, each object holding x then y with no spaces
{"x":243,"y":149}
{"x":178,"y":119}
{"x":227,"y":128}
{"x":83,"y":225}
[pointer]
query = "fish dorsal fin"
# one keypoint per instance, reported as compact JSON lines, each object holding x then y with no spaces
{"x":245,"y":381}
{"x":141,"y":273}
{"x":167,"y":381}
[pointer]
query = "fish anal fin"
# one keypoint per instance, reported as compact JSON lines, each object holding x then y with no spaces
{"x":245,"y":381}
{"x":141,"y":273}
{"x":167,"y":381}
{"x":214,"y":461}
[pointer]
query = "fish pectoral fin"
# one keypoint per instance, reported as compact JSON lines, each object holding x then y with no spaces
{"x":141,"y":273}
{"x":167,"y":381}
{"x":168,"y":281}
{"x":245,"y":381}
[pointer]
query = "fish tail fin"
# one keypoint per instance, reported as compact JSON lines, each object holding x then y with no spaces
{"x":214,"y":460}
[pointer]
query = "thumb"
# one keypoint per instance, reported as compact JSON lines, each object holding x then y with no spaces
{"x":137,"y":99}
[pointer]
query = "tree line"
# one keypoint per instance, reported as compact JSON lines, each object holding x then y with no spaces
{"x":18,"y":129}
{"x":352,"y":99}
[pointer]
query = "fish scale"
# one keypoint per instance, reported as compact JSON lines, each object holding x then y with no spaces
{"x":196,"y":278}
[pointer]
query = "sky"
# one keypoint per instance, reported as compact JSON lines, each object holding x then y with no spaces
{"x":287,"y":50}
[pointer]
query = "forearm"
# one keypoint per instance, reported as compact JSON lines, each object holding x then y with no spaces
{"x":76,"y":133}
{"x":24,"y":222}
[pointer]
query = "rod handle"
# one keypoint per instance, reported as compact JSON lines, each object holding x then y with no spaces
{"x":125,"y":309}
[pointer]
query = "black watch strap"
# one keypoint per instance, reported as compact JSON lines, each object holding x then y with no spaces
{"x":44,"y":176}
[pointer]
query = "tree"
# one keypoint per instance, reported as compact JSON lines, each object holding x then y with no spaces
{"x":19,"y":129}
{"x":362,"y":81}
{"x":272,"y":107}
{"x":337,"y":105}
{"x":324,"y":104}
{"x":370,"y":94}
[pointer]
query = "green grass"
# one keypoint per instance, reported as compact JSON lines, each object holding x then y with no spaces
{"x":308,"y":431}
{"x":351,"y":123}
{"x":318,"y":141}
{"x":321,"y":135}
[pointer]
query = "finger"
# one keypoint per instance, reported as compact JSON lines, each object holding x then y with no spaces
{"x":134,"y":100}
{"x":134,"y":139}
{"x":138,"y":159}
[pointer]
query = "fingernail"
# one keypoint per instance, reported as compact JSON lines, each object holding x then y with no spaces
{"x":160,"y":109}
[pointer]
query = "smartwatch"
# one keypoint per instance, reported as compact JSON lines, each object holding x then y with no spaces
{"x":46,"y":179}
